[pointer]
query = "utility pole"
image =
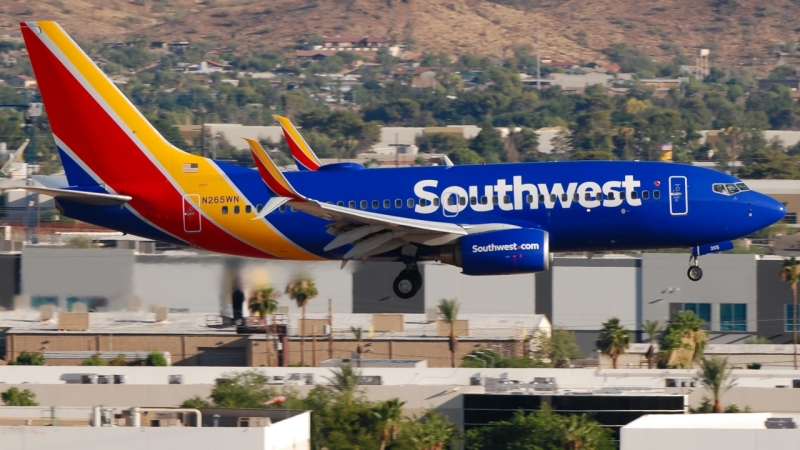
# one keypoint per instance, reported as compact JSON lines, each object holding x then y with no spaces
{"x":313,"y":346}
{"x":538,"y":59}
{"x":330,"y":328}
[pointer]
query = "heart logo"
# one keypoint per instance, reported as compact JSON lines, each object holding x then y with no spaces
{"x":657,"y":183}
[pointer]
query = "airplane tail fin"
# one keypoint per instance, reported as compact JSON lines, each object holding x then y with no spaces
{"x":101,"y":137}
{"x":272,"y":176}
{"x":302,"y":153}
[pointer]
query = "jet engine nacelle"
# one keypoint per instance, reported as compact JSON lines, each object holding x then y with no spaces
{"x":502,"y":252}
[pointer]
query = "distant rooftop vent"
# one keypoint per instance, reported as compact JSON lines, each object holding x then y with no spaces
{"x":780,"y":423}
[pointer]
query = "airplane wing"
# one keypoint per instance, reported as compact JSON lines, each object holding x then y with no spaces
{"x":371,"y":233}
{"x":301,"y":152}
{"x":88,"y":198}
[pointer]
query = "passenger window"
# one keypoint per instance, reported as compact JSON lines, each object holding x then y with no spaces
{"x":494,"y":200}
{"x":564,"y":197}
{"x":484,"y":200}
{"x":339,"y":203}
{"x":541,"y":198}
{"x":656,"y":195}
{"x":451,"y":200}
{"x":634,"y":195}
{"x":552,"y":198}
{"x":375,"y":204}
{"x":506,"y":199}
{"x":398,"y":203}
{"x":473,"y":200}
{"x":718,"y":188}
{"x":351,"y":204}
{"x":436,"y":201}
{"x":645,"y":195}
{"x":410,"y":203}
{"x":610,"y":196}
{"x":224,"y":210}
{"x":732,"y":189}
{"x":529,"y":198}
{"x":363,"y":204}
{"x":463,"y":201}
{"x":282,"y":208}
{"x":258,"y":208}
{"x":236,"y":209}
{"x":387,"y":204}
{"x":577,"y":197}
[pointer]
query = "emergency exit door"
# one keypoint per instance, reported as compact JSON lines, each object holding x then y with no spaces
{"x":191,"y":215}
{"x":678,"y":196}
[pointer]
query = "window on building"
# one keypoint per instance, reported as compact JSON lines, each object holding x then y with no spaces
{"x":789,"y":319}
{"x":790,"y":217}
{"x":733,"y":317}
{"x":38,"y":301}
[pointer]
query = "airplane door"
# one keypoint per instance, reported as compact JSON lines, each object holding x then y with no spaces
{"x":191,"y":215}
{"x":454,"y":200}
{"x":678,"y":196}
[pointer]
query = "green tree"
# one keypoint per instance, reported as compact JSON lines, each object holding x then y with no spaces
{"x":432,"y":432}
{"x":489,"y":144}
{"x":358,"y":333}
{"x":264,"y":302}
{"x":345,"y":382}
{"x":169,"y":132}
{"x":242,"y":390}
{"x":651,"y":329}
{"x":196,"y":402}
{"x":156,"y":358}
{"x":790,"y":274}
{"x":94,"y":360}
{"x":757,"y":340}
{"x":448,"y":309}
{"x":484,"y":357}
{"x":715,"y":375}
{"x":683,"y":341}
{"x":119,"y":361}
{"x":557,"y":350}
{"x":29,"y":359}
{"x":15,"y":397}
{"x":542,"y":430}
{"x":614,"y":340}
{"x":302,"y":291}
{"x":389,"y":413}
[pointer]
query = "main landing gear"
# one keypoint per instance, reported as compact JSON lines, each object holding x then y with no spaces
{"x":694,"y":272}
{"x":408,"y":283}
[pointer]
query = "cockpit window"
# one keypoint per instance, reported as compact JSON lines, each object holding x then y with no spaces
{"x":718,"y":188}
{"x":732,"y":189}
{"x":729,"y":188}
{"x":742,"y":187}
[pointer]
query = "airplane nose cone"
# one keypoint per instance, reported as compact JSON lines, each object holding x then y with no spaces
{"x":767,"y":210}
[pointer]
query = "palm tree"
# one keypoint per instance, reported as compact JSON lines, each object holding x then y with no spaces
{"x":715,"y":376}
{"x":790,"y":274}
{"x":614,"y":340}
{"x":264,"y":302}
{"x":651,"y":328}
{"x":345,"y":381}
{"x":684,"y":340}
{"x":433,"y":432}
{"x":389,"y":413}
{"x":301,"y":291}
{"x":358,"y":333}
{"x":449,"y":311}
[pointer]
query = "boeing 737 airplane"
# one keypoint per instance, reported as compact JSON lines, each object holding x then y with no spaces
{"x":487,"y":219}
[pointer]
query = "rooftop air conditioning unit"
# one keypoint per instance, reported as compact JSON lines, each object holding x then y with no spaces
{"x":780,"y":423}
{"x":47,"y":312}
{"x":431,"y":314}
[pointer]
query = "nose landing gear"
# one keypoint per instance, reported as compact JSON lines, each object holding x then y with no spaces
{"x":695,"y":273}
{"x":408,"y":283}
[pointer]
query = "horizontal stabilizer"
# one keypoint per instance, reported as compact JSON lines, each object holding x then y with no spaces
{"x":87,"y":198}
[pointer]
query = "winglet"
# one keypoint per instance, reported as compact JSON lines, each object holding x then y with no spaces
{"x":270,"y":173}
{"x":302,"y":153}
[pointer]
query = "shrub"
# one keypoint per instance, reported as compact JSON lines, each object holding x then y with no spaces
{"x":156,"y":358}
{"x":15,"y":397}
{"x":94,"y":360}
{"x":29,"y":359}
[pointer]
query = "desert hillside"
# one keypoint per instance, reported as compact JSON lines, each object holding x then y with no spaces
{"x":736,"y":31}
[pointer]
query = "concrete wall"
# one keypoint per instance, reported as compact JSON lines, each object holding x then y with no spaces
{"x":726,"y":279}
{"x":289,"y":434}
{"x":479,"y":295}
{"x":180,"y":282}
{"x":65,"y":272}
{"x":773,"y":295}
{"x":707,"y":438}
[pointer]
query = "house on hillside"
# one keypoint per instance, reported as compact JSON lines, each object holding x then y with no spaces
{"x":208,"y":66}
{"x":766,"y":83}
{"x":22,"y":82}
{"x":355,"y":43}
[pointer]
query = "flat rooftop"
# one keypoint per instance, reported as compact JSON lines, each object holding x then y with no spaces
{"x":748,"y":421}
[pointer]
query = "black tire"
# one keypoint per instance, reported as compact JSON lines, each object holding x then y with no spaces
{"x":407,"y":284}
{"x":695,"y":273}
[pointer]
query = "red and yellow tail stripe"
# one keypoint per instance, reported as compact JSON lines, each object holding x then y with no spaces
{"x":301,"y":151}
{"x":128,"y":156}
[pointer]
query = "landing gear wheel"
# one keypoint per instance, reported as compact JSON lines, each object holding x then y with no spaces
{"x":407,"y":284}
{"x":695,"y":273}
